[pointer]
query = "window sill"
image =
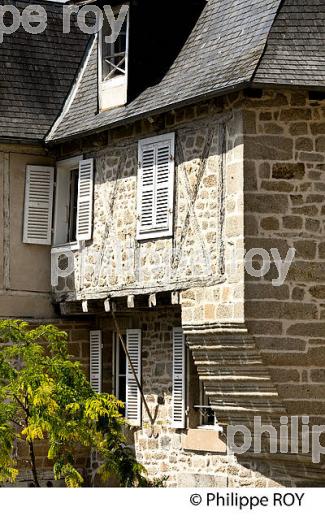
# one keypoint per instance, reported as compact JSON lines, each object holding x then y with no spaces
{"x":204,"y":439}
{"x":154,"y":235}
{"x":70,"y":246}
{"x":210,"y":427}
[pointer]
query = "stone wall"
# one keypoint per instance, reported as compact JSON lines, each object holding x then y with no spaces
{"x":284,"y":170}
{"x":161,"y":448}
{"x":261,"y":187}
{"x":209,"y":168}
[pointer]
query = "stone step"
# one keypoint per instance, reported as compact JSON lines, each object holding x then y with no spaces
{"x":234,"y":377}
{"x":233,"y":373}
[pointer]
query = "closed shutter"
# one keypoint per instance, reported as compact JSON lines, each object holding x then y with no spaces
{"x":133,"y":396}
{"x":38,"y":205}
{"x":96,"y":360}
{"x":85,"y":199}
{"x":178,"y":408}
{"x":156,"y":187}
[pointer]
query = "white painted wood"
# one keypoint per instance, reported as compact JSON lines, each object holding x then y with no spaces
{"x":133,"y":396}
{"x":38,"y":205}
{"x":156,"y":187}
{"x":152,"y":300}
{"x":96,"y":360}
{"x":130,"y":301}
{"x":85,"y":199}
{"x":178,"y":402}
{"x":113,"y":92}
{"x":175,"y":298}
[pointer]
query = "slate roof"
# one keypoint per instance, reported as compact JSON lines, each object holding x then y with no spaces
{"x":36,"y":74}
{"x":295,"y":51}
{"x":221,"y":53}
{"x":235,"y":43}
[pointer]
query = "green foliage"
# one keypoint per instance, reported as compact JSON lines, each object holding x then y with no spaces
{"x":44,"y":394}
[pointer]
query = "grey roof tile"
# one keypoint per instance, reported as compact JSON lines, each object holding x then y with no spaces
{"x":36,"y":73}
{"x":234,"y":42}
{"x":222,"y":51}
{"x":295,"y":50}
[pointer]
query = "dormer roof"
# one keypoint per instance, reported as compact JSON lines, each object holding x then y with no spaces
{"x":234,"y":44}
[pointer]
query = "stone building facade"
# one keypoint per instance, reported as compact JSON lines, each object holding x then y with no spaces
{"x":221,"y":330}
{"x":248,"y":175}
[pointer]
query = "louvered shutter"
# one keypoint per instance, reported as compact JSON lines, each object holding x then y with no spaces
{"x":38,"y":205}
{"x":163,"y":181}
{"x":156,"y":187}
{"x":147,"y":188}
{"x":85,"y":199}
{"x":178,"y":408}
{"x":96,"y":360}
{"x":133,"y":397}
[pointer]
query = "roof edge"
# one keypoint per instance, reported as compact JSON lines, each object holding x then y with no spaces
{"x":158,"y":111}
{"x":266,"y":39}
{"x":74,"y":88}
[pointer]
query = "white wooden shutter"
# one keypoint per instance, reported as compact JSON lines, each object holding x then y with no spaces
{"x":38,"y":205}
{"x":85,"y":199}
{"x":96,"y":360}
{"x":133,"y":396}
{"x":156,"y":187}
{"x":178,"y":408}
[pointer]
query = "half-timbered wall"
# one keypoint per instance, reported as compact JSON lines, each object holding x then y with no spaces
{"x":202,"y":252}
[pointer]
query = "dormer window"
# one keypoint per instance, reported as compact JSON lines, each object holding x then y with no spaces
{"x":113,"y":63}
{"x":114,"y":54}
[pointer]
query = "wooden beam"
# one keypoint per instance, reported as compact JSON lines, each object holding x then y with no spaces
{"x":107,"y":305}
{"x":175,"y":298}
{"x":152,"y":300}
{"x":130,"y":301}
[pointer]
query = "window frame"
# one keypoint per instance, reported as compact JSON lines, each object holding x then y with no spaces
{"x":168,"y":232}
{"x":116,"y":365}
{"x":116,"y":346}
{"x":106,"y":86}
{"x":63,"y":167}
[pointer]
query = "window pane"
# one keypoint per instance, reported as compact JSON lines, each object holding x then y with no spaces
{"x":122,"y":388}
{"x":73,"y":206}
{"x":121,"y":373}
{"x":122,"y":360}
{"x":113,"y":54}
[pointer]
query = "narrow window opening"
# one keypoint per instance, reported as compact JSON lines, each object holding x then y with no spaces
{"x":73,"y":206}
{"x":120,"y":371}
{"x":113,"y":59}
{"x":114,"y":54}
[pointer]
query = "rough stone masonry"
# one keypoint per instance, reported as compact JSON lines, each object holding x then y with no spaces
{"x":249,"y":174}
